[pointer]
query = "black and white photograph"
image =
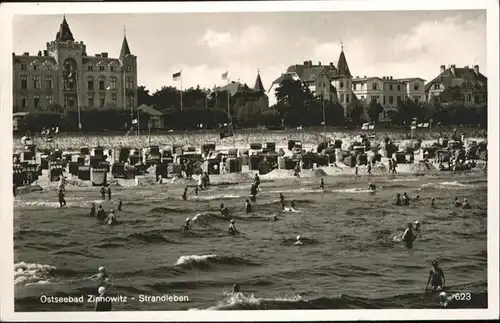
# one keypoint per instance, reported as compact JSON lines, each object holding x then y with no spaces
{"x":198,"y":161}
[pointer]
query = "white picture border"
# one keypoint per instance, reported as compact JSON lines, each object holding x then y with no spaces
{"x":8,"y":10}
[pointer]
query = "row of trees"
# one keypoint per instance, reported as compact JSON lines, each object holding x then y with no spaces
{"x":296,"y":106}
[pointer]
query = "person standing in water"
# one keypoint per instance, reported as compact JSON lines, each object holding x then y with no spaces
{"x":282,"y":201}
{"x":103,"y":193}
{"x":111,"y":219}
{"x":120,"y":205}
{"x":187,"y":224}
{"x":457,"y":202}
{"x":102,"y":303}
{"x":248,"y":207}
{"x":184,"y":195}
{"x":406,"y":199}
{"x":436,"y":277}
{"x":109,"y":193}
{"x":232,"y":228}
{"x":398,"y":199}
{"x":408,"y":236}
{"x":292,"y":205}
{"x":62,"y":201}
{"x":433,"y":201}
{"x":253,"y":191}
{"x":92,"y":210}
{"x":101,"y":214}
{"x":322,"y":185}
{"x":417,"y":226}
{"x":465,"y":204}
{"x":224,"y":211}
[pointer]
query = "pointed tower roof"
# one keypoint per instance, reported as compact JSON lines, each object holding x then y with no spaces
{"x":342,"y":65}
{"x":125,"y":49}
{"x":64,"y":33}
{"x":258,"y":84}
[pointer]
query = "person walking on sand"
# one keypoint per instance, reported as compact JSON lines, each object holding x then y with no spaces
{"x":322,"y":185}
{"x":109,"y":193}
{"x":62,"y":201}
{"x":369,"y":169}
{"x":103,"y":193}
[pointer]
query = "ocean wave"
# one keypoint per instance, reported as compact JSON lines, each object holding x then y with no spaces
{"x":27,"y":233}
{"x":152,"y":236}
{"x":456,"y":183}
{"x":215,"y":197}
{"x":206,"y":261}
{"x":32,"y":273}
{"x":163,"y":209}
{"x":448,"y":185}
{"x":353,"y":190}
{"x":299,"y":190}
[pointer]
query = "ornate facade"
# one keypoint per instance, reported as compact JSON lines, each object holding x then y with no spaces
{"x":64,"y":74}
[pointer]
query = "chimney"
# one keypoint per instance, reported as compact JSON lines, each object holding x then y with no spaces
{"x":466,"y":66}
{"x":45,"y":53}
{"x":331,"y":64}
{"x":104,"y":55}
{"x":26,"y":54}
{"x":39,"y":53}
{"x":357,"y":77}
{"x":391,"y":77}
{"x":319,"y":63}
{"x":443,"y":68}
{"x":453,"y":68}
{"x":476,"y":69}
{"x":364,"y":76}
{"x":310,"y":63}
{"x":97,"y":55}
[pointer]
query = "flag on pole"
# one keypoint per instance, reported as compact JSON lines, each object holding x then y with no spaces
{"x":224,"y":75}
{"x":176,"y":76}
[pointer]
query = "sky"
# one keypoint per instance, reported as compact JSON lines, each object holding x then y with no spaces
{"x":205,"y":45}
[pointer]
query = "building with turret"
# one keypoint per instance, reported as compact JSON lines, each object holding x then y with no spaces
{"x":242,"y":94}
{"x":327,"y":81}
{"x":65,"y":74}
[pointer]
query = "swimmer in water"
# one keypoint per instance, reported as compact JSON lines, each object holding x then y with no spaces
{"x":372,"y":187}
{"x":322,"y":185}
{"x":457,"y":202}
{"x":436,"y":277}
{"x":101,"y":214}
{"x":275,"y":218}
{"x":102,"y":276}
{"x":465,"y":204}
{"x":248,"y":207}
{"x":408,"y":236}
{"x":406,"y":199}
{"x":62,"y":201}
{"x":298,"y":242}
{"x":184,"y":195}
{"x":224,"y":210}
{"x":417,"y":198}
{"x":92,"y":210}
{"x":120,"y":205}
{"x":187,"y":224}
{"x":417,"y":226}
{"x":232,"y":228}
{"x":111,"y":219}
{"x":433,"y":200}
{"x":292,"y":205}
{"x":236,"y":288}
{"x":398,"y":199}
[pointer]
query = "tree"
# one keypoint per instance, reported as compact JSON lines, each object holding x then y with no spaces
{"x":295,"y":103}
{"x":334,"y":113}
{"x":373,"y":110}
{"x":54,"y":107}
{"x":356,"y":111}
{"x":143,"y":96}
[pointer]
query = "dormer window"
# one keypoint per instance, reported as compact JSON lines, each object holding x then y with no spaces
{"x":341,"y":84}
{"x":436,"y":86}
{"x":374,"y":86}
{"x":415,"y":87}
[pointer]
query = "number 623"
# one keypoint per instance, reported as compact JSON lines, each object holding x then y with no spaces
{"x":462,"y":296}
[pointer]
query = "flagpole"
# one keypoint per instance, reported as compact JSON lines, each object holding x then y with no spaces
{"x":78,"y":102}
{"x":182,"y":109}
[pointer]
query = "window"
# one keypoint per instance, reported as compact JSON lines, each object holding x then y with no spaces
{"x":101,"y":68}
{"x":341,"y":84}
{"x":113,"y":83}
{"x":71,"y":102}
{"x":341,"y":98}
{"x":101,"y":85}
{"x":374,"y":98}
{"x":68,"y":85}
{"x":24,"y":102}
{"x":90,"y":83}
{"x":399,"y":87}
{"x":48,"y":82}
{"x":36,"y":101}
{"x":102,"y":98}
{"x":112,"y":68}
{"x":130,"y":83}
{"x":383,"y":99}
{"x":49,"y":99}
{"x":415,"y":87}
{"x":34,"y":67}
{"x":347,"y":98}
{"x":398,"y":99}
{"x":362,"y":97}
{"x":91,"y":101}
{"x":391,"y":100}
{"x":416,"y":99}
{"x":130,"y":101}
{"x":90,"y":68}
{"x":23,"y":67}
{"x":390,"y":87}
{"x":354,"y":87}
{"x":476,"y":98}
{"x":36,"y":82}
{"x":113,"y":98}
{"x":66,"y":101}
{"x":469,"y":97}
{"x":24,"y":82}
{"x":436,"y":86}
{"x":129,"y":68}
{"x":374,"y":86}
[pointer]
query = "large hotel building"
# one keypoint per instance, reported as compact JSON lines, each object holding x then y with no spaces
{"x":64,"y":74}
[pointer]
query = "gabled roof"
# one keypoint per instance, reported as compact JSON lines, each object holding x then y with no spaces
{"x":461,"y":75}
{"x":309,"y":74}
{"x":64,"y":33}
{"x":409,"y":79}
{"x":101,"y":60}
{"x":149,"y":110}
{"x":43,"y":60}
{"x":342,"y":66}
{"x":259,"y":87}
{"x":354,"y":80}
{"x":125,"y":50}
